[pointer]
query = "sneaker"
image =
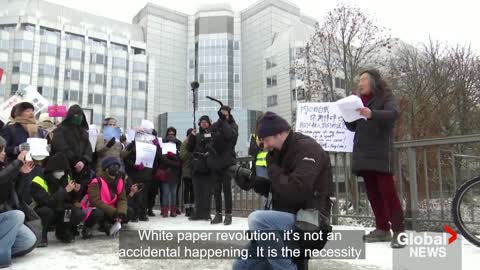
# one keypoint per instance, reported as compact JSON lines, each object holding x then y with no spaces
{"x":217,"y":219}
{"x":395,"y":243}
{"x":228,"y":219}
{"x":377,"y":236}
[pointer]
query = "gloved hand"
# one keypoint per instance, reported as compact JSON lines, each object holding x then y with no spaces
{"x":156,"y":142}
{"x":170,"y":155}
{"x":221,"y":115}
{"x":111,"y":143}
{"x":139,"y":167}
{"x":261,"y":186}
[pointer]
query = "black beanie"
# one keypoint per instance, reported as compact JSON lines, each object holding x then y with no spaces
{"x":271,"y":124}
{"x":206,"y":118}
{"x":109,"y":161}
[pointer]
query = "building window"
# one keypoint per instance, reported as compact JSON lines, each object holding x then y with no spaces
{"x":272,"y":81}
{"x":97,"y":79}
{"x":298,"y":94}
{"x":236,"y":45}
{"x":201,"y":78}
{"x":270,"y":62}
{"x":120,"y":62}
{"x":47,"y":91}
{"x":13,"y":89}
{"x":237,"y":78}
{"x":23,"y":45}
{"x":49,"y":49}
{"x":272,"y":101}
{"x":72,"y":95}
{"x":4,"y":45}
{"x":118,"y":101}
{"x":97,"y":42}
{"x":138,"y":51}
{"x":139,"y":85}
{"x":98,"y":99}
{"x":49,"y":32}
{"x":339,"y":83}
{"x":138,"y":104}
{"x":72,"y":74}
{"x":191,"y":64}
{"x":75,"y":54}
{"x":99,"y":59}
{"x":119,"y":47}
{"x":139,"y":67}
{"x":47,"y":70}
{"x":119,"y":82}
{"x":22,"y":67}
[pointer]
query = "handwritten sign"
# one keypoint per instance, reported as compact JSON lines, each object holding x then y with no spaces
{"x":57,"y":111}
{"x":324,"y":123}
{"x":28,"y":94}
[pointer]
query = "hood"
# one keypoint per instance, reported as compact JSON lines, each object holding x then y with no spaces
{"x":57,"y":162}
{"x":75,"y":109}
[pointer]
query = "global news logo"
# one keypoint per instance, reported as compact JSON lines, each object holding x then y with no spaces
{"x":426,"y":245}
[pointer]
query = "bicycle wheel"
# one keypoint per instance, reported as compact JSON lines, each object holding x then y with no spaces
{"x":466,"y":210}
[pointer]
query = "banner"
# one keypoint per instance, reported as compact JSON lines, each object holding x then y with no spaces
{"x":324,"y":123}
{"x":29,"y":94}
{"x":57,"y":111}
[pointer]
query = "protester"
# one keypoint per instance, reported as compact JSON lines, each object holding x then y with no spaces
{"x":71,"y":138}
{"x":45,"y":122}
{"x":300,"y":177}
{"x":201,"y":146}
{"x":188,"y":194}
{"x":225,"y":132}
{"x":106,"y":200}
{"x":256,"y":150}
{"x":16,"y":239}
{"x":110,"y":148}
{"x":133,"y":199}
{"x":22,"y":127}
{"x":373,"y":156}
{"x":56,"y":199}
{"x":170,"y":167}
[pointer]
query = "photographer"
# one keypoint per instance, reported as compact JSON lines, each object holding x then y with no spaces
{"x":300,"y":177}
{"x":225,"y":135}
{"x":201,"y":146}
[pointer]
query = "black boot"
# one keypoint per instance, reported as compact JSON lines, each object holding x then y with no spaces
{"x":44,"y":241}
{"x":228,"y":219}
{"x":143,"y":218}
{"x":87,"y":232}
{"x":217,"y":219}
{"x":150,"y":213}
{"x":188,"y":212}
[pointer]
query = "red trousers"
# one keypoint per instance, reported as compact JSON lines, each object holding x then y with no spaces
{"x":384,"y":200}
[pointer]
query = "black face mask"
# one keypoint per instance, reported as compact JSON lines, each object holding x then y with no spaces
{"x":113,"y":170}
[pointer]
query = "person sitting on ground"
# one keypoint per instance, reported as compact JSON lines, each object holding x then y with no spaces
{"x":56,"y":200}
{"x":106,"y":200}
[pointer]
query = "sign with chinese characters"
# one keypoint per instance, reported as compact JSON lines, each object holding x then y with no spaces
{"x":29,"y":94}
{"x":324,"y":123}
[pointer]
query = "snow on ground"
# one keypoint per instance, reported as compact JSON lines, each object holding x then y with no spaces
{"x":101,"y":252}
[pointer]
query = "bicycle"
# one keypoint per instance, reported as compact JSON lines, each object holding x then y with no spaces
{"x":465,"y":208}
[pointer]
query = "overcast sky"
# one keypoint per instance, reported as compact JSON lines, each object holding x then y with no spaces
{"x":454,"y":21}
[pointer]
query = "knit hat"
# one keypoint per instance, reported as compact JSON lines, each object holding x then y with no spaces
{"x":18,"y":109}
{"x":206,"y":118}
{"x":109,"y":161}
{"x":271,"y":124}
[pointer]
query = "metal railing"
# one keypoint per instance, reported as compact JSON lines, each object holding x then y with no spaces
{"x":428,"y":173}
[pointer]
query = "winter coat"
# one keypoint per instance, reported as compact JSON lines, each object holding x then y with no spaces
{"x":373,"y":142}
{"x":186,"y":158}
{"x":172,"y":164}
{"x":137,"y":176}
{"x":94,"y":197}
{"x":300,"y":176}
{"x":102,"y":151}
{"x":74,"y":142}
{"x":203,"y":153}
{"x":8,"y":176}
{"x":225,"y":135}
{"x":14,"y":134}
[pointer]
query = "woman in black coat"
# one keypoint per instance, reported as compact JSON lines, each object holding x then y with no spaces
{"x":373,"y":155}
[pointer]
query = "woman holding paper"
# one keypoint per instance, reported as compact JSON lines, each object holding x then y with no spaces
{"x":108,"y":143}
{"x":373,"y":156}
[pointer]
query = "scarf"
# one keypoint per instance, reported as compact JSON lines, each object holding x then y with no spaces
{"x":366,"y":99}
{"x":29,"y":124}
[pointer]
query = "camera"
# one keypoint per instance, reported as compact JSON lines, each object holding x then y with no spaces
{"x":237,"y":171}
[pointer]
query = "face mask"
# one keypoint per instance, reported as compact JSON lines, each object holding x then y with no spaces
{"x":113,"y":170}
{"x":58,"y":174}
{"x":77,"y":120}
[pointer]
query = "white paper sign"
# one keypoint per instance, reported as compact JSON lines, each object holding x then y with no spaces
{"x":130,"y":135}
{"x":28,"y":94}
{"x":38,"y":149}
{"x":92,"y":136}
{"x":115,"y":228}
{"x":145,"y":153}
{"x":348,"y":108}
{"x":324,"y":123}
{"x":169,"y":147}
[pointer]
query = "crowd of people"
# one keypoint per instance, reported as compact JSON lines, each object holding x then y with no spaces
{"x":80,"y":187}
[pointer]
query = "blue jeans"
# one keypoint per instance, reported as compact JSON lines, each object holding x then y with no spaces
{"x":268,"y":220}
{"x":15,"y":237}
{"x":169,"y":188}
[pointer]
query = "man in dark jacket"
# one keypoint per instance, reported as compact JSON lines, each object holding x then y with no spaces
{"x":56,"y":200}
{"x":16,"y":239}
{"x":71,"y":138}
{"x":225,"y":135}
{"x":373,"y":156}
{"x":201,"y":146}
{"x":300,"y":177}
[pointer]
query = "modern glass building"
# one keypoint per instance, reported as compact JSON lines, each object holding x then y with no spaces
{"x":142,"y":70}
